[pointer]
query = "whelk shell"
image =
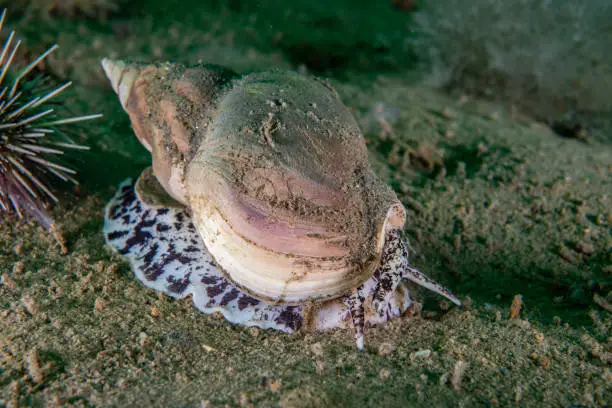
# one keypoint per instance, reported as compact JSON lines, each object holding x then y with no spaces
{"x":273,"y":171}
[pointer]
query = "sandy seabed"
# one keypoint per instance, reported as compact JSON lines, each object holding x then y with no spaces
{"x":498,"y":205}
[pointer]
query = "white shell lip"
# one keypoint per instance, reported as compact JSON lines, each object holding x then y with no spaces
{"x":395,"y":219}
{"x":279,"y":277}
{"x":269,"y":275}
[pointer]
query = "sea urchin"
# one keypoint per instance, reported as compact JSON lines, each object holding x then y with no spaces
{"x":31,"y":140}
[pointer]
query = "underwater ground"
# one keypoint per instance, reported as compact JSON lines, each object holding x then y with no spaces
{"x":499,"y":205}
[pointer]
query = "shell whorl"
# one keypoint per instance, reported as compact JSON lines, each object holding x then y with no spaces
{"x":169,"y":105}
{"x":122,"y":77}
{"x":283,"y":194}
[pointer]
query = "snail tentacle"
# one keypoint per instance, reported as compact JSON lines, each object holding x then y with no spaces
{"x":355,"y":303}
{"x":421,"y":279}
{"x":389,"y":273}
{"x":393,"y":268}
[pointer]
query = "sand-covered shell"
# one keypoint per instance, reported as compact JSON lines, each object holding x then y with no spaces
{"x":260,"y":202}
{"x":273,"y":169}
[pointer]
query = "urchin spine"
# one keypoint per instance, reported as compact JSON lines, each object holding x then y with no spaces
{"x":29,"y":137}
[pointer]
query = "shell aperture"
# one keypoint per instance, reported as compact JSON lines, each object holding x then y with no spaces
{"x":167,"y":255}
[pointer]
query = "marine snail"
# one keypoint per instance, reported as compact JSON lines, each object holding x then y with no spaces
{"x":260,"y":201}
